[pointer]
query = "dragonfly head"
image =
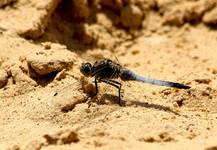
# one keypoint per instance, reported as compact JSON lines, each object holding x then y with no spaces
{"x":86,"y":69}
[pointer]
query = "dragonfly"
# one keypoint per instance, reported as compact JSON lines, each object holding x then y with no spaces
{"x":107,"y":71}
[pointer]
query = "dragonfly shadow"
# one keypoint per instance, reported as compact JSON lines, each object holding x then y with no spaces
{"x":154,"y":106}
{"x":114,"y":100}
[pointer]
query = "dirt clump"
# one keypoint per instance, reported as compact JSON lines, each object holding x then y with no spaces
{"x":62,"y":137}
{"x":47,"y":61}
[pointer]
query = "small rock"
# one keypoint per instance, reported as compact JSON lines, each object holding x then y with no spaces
{"x":131,"y":16}
{"x":166,"y":92}
{"x":179,"y":101}
{"x":87,"y":87}
{"x":205,"y":93}
{"x":3,"y":78}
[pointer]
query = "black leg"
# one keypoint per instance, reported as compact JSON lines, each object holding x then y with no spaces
{"x":96,"y":86}
{"x":115,"y":84}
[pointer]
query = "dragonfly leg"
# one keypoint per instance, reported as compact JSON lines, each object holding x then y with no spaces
{"x":96,"y":91}
{"x":96,"y":86}
{"x":115,"y":84}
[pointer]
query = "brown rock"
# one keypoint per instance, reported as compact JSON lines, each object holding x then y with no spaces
{"x":131,"y":16}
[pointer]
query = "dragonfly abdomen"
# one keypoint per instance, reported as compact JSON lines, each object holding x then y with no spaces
{"x":129,"y":75}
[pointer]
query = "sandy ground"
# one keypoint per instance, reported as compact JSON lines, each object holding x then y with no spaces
{"x":43,"y":93}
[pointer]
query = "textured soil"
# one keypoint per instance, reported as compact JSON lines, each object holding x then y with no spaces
{"x":45,"y":101}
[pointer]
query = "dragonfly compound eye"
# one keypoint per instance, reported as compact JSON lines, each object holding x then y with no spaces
{"x":86,"y":69}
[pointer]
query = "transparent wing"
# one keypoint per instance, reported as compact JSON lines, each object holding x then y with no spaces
{"x":125,"y":83}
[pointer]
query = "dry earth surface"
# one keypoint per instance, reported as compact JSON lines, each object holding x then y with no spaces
{"x":44,"y":98}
